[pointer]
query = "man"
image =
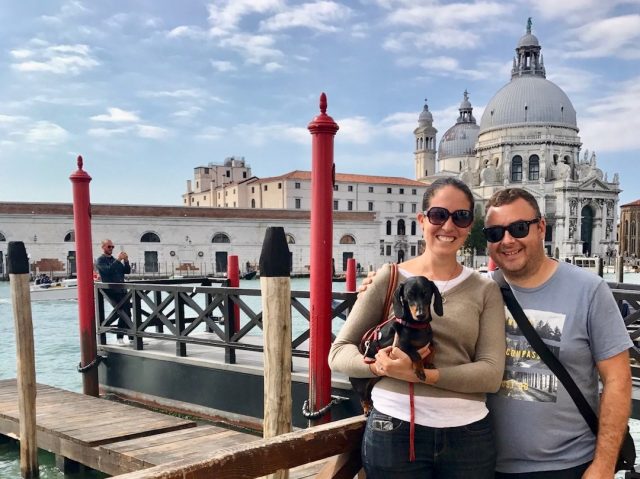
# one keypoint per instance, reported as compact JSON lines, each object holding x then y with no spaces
{"x":112,"y":270}
{"x":540,"y":432}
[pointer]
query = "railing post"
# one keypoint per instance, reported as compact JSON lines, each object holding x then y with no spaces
{"x":84,"y":271}
{"x":275,"y":286}
{"x":233,"y":275}
{"x":181,"y":347}
{"x":18,"y":269}
{"x":323,"y":130}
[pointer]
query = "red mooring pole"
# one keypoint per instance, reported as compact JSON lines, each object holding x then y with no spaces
{"x":84,"y":270}
{"x":233,"y":275}
{"x":351,"y":275}
{"x":323,"y":129}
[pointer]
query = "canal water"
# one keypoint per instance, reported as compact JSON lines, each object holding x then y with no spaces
{"x":57,"y":355}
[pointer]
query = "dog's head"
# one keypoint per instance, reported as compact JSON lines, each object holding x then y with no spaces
{"x":412,"y":299}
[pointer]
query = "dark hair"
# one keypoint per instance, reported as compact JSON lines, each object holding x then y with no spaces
{"x":509,"y":195}
{"x":441,"y":183}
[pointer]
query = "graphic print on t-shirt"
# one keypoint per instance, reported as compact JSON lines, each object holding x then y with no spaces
{"x":526,"y":376}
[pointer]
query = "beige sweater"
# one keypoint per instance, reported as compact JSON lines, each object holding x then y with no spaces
{"x":469,"y":339}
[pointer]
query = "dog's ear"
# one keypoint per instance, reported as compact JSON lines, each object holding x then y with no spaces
{"x":398,"y":302}
{"x":437,"y":301}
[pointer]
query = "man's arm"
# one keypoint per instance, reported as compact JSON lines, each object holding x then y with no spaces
{"x":615,"y":407}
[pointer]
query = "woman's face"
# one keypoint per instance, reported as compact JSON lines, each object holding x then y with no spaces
{"x":447,"y":238}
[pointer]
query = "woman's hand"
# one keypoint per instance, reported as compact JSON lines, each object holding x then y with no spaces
{"x":366,"y":282}
{"x":395,"y":363}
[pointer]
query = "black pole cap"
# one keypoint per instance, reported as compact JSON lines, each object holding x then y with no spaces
{"x":275,"y":258}
{"x":17,"y":259}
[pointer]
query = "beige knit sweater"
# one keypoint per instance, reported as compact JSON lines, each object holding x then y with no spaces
{"x":469,"y":339}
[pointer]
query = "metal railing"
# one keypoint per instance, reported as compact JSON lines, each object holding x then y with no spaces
{"x":174,"y":311}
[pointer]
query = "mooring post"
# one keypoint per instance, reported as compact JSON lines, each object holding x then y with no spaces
{"x":351,"y":275}
{"x":323,"y":130}
{"x":18,"y":269}
{"x":233,"y":275}
{"x":275,"y":288}
{"x":620,"y":269}
{"x":84,"y":271}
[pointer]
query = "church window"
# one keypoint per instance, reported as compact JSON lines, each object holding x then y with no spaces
{"x":253,"y":202}
{"x":150,"y":238}
{"x":221,"y":238}
{"x":347,"y":239}
{"x":298,"y":203}
{"x":516,"y":169}
{"x":370,"y":205}
{"x":401,"y":230}
{"x":413,"y":231}
{"x":69,"y":237}
{"x":388,"y":227}
{"x":534,"y":167}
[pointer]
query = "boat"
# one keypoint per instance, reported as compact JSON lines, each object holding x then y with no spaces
{"x":249,"y":275}
{"x":67,"y":289}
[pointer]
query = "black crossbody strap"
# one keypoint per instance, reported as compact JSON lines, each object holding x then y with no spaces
{"x":550,"y":359}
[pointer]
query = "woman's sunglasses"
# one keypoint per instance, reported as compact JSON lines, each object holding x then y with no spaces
{"x":439,"y":216}
{"x":517,"y":229}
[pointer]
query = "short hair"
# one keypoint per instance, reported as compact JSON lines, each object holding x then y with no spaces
{"x":105,"y":241}
{"x":509,"y":195}
{"x":441,"y":183}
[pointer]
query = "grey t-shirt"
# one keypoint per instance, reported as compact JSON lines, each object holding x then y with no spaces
{"x":537,"y":424}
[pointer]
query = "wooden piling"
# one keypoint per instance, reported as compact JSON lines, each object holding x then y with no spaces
{"x":619,"y":269}
{"x":275,"y":286}
{"x":18,"y":269}
{"x":601,"y":267}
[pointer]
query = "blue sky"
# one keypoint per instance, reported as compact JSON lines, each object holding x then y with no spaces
{"x":146,"y":90}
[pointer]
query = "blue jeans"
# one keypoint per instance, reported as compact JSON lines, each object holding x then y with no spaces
{"x":465,"y":452}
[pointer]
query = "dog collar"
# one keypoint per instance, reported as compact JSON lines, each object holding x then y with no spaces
{"x":413,"y":324}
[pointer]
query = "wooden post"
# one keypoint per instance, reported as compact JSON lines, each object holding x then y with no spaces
{"x":600,"y":267}
{"x":351,"y":275}
{"x":323,"y":129}
{"x":80,"y":180}
{"x":18,"y":269}
{"x":275,"y":287}
{"x":619,"y":269}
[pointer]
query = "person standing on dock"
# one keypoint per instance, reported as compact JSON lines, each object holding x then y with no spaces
{"x":540,"y":433}
{"x":112,"y":270}
{"x":452,"y":430}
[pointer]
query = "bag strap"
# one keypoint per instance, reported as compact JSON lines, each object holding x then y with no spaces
{"x":550,"y":359}
{"x":393,"y":282}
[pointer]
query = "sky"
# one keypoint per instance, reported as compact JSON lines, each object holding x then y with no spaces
{"x":147,"y":90}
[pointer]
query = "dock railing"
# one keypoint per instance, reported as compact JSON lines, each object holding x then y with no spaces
{"x":174,"y":311}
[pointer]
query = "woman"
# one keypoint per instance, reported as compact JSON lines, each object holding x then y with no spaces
{"x":453,"y":434}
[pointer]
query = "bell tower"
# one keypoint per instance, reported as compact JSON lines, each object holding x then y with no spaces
{"x":425,"y":147}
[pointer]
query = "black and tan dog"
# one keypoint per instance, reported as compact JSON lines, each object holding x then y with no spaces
{"x":410,"y":330}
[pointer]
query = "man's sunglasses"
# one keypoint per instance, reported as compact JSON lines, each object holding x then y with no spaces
{"x":517,"y":229}
{"x":110,"y":246}
{"x":439,"y":216}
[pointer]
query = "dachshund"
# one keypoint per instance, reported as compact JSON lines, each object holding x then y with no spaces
{"x":410,"y":330}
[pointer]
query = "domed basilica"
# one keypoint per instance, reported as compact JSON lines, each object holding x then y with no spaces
{"x":528,"y":137}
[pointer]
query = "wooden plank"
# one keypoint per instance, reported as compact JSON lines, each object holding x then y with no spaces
{"x":265,"y":456}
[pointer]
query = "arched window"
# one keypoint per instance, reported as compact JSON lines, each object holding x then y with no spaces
{"x":2,"y":237}
{"x":253,"y":202}
{"x":516,"y":169}
{"x":290,"y":239}
{"x":70,"y":236}
{"x":401,"y":230}
{"x":150,"y":238}
{"x":388,"y":227}
{"x":347,"y":239}
{"x":413,"y":227}
{"x":534,"y":167}
{"x":221,"y":238}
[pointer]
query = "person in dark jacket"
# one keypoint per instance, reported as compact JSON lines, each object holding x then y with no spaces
{"x":112,"y":270}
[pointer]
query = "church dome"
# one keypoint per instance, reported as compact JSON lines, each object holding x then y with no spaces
{"x":529,"y":100}
{"x":459,"y":140}
{"x":528,"y":40}
{"x":425,"y":118}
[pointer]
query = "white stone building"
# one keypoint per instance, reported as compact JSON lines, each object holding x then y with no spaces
{"x":528,"y":137}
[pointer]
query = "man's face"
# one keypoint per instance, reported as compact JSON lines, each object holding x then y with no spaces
{"x":107,"y":248}
{"x":517,"y":257}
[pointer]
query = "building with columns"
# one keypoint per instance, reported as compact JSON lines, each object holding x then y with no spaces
{"x":630,"y":231}
{"x":528,"y":137}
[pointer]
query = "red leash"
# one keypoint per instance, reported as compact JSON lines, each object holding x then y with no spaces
{"x":412,"y":425}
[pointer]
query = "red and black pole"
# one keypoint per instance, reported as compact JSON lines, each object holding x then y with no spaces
{"x":351,"y":275}
{"x":84,"y":270}
{"x":323,"y":129}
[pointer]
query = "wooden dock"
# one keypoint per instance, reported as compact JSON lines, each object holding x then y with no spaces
{"x":117,"y":438}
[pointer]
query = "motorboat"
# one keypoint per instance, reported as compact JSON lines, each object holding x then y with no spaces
{"x":66,"y":289}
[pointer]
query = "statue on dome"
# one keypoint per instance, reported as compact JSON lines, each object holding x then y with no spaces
{"x":616,"y":179}
{"x":585,"y":157}
{"x":529,"y":25}
{"x":592,"y":161}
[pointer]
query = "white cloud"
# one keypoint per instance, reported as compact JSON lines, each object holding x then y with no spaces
{"x":445,"y":15}
{"x":400,"y":124}
{"x":356,"y":129}
{"x":223,"y":66}
{"x":57,"y":59}
{"x":256,"y":49}
{"x":184,"y":31}
{"x":116,"y":115}
{"x":190,"y":112}
{"x":320,"y":15}
{"x":46,"y":133}
{"x":226,"y":15}
{"x":152,"y":132}
{"x":11,"y":120}
{"x":616,"y":36}
{"x":272,"y":66}
{"x":68,"y":11}
{"x":574,"y":11}
{"x":572,"y":80}
{"x":444,"y":66}
{"x":211,"y":133}
{"x":440,"y":38}
{"x":107,"y":132}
